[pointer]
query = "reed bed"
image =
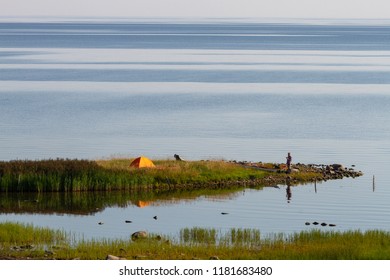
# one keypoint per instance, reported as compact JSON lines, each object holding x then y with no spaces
{"x":235,"y":237}
{"x":196,"y":243}
{"x":72,"y":175}
{"x":17,"y":233}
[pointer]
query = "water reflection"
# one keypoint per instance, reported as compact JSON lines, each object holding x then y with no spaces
{"x":264,"y":209}
{"x":288,"y":193}
{"x":90,"y":203}
{"x":288,"y":189}
{"x":142,"y":203}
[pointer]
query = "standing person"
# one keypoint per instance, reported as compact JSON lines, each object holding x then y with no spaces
{"x":289,"y":158}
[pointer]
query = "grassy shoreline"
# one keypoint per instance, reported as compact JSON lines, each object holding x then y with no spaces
{"x":66,"y":175}
{"x":19,"y":241}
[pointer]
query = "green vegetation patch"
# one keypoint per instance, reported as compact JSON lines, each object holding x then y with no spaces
{"x":73,"y":175}
{"x":18,"y":241}
{"x":65,"y":175}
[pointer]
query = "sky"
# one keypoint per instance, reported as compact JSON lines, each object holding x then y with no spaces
{"x":348,"y":9}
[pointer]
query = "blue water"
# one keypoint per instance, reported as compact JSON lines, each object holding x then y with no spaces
{"x":243,"y":91}
{"x":220,"y":36}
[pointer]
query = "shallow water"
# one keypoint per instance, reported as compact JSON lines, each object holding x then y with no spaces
{"x":205,"y":91}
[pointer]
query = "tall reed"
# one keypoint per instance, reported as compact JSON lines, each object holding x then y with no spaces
{"x":198,"y":243}
{"x":22,"y":234}
{"x":72,"y":175}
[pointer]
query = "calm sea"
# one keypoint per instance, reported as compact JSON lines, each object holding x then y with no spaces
{"x":211,"y":90}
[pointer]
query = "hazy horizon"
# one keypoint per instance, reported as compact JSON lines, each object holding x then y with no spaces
{"x":310,"y":9}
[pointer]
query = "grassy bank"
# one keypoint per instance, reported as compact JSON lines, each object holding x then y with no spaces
{"x":26,"y":242}
{"x":64,"y":175}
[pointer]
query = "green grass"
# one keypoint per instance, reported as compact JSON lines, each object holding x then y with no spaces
{"x":22,"y":235}
{"x":182,"y":172}
{"x":73,"y":175}
{"x":18,"y":241}
{"x":65,"y":175}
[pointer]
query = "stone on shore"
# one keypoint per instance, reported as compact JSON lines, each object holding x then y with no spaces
{"x":114,"y":258}
{"x":139,"y":235}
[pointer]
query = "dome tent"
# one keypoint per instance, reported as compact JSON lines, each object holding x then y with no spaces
{"x":141,"y":162}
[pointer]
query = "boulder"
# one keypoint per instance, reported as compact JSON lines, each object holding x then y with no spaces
{"x":337,"y":166}
{"x":139,"y":235}
{"x":177,"y":157}
{"x":114,"y":258}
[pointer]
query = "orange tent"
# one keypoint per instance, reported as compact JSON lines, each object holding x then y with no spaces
{"x":140,"y":162}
